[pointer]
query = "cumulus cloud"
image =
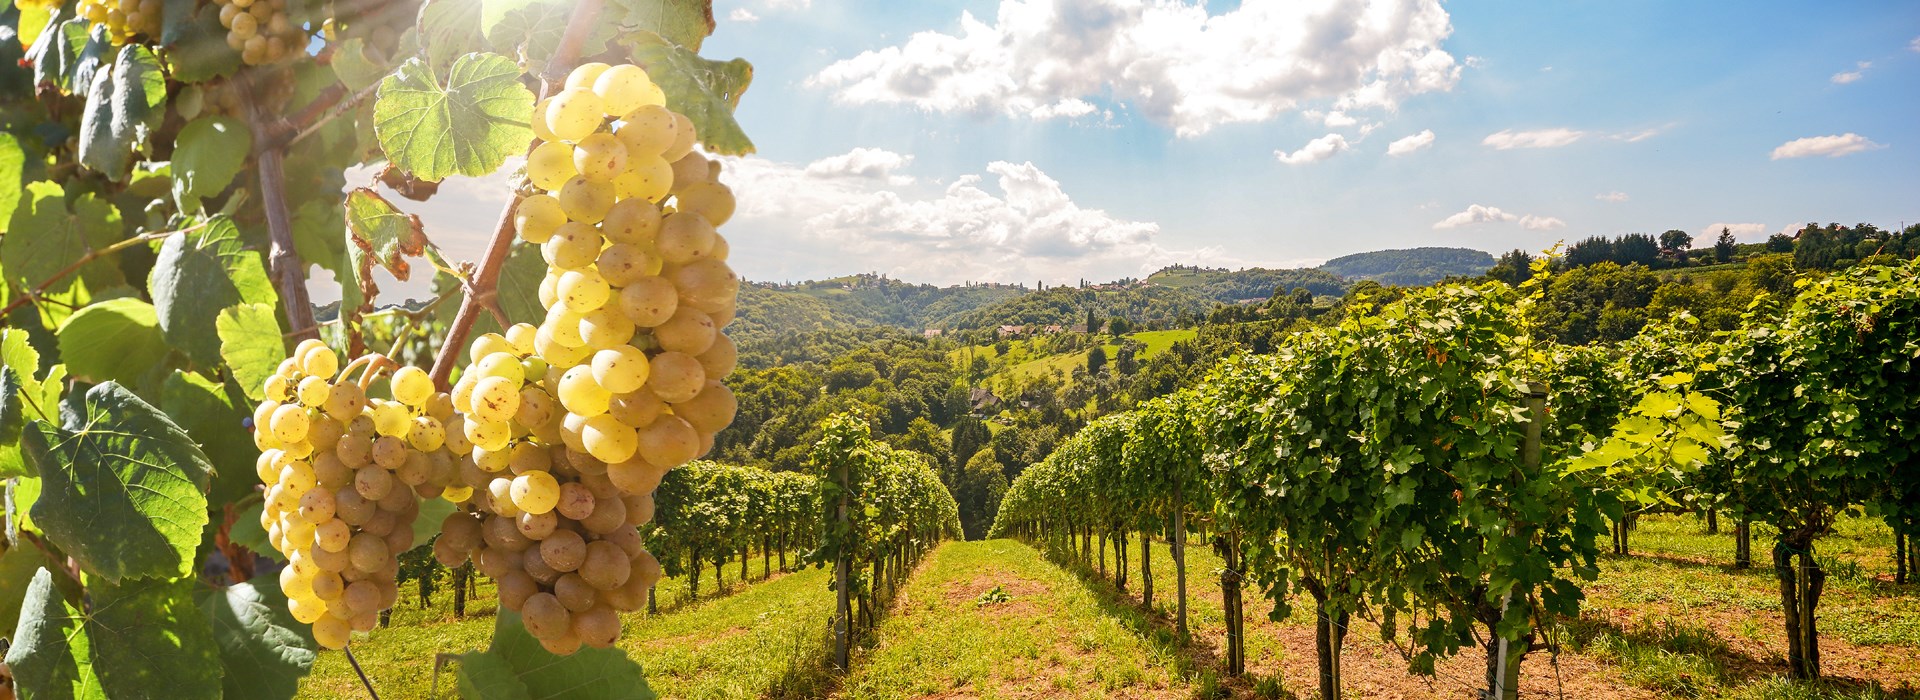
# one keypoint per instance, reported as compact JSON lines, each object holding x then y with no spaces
{"x":1615,"y":196}
{"x":1316,"y":150}
{"x":1477,"y":214}
{"x":1746,"y":233}
{"x":741,"y":14}
{"x":1172,"y":60}
{"x":1410,"y":144}
{"x":1829,"y":146}
{"x":1541,"y":223}
{"x":1508,"y":139}
{"x":1845,"y":77}
{"x":1011,"y":222}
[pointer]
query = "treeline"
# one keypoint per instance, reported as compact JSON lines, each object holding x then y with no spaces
{"x":1410,"y":267}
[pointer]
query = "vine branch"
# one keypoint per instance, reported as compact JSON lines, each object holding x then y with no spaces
{"x":88,"y":257}
{"x":289,"y":274}
{"x":486,"y":281}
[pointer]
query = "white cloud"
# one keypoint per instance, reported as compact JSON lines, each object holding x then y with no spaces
{"x":1410,"y":144}
{"x":1845,"y":77}
{"x":1507,"y":139}
{"x":1316,"y":150}
{"x":1615,"y":196}
{"x":1745,"y":233}
{"x":741,"y":14}
{"x":1172,"y":60}
{"x":1338,"y":119}
{"x":1641,"y":135}
{"x":1477,"y":214}
{"x":1474,"y":214}
{"x":1013,"y":222}
{"x":1829,"y":146}
{"x":1914,"y":45}
{"x":1475,"y":61}
{"x":1541,"y":223}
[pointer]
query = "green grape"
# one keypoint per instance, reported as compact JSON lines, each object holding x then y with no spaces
{"x":581,"y":395}
{"x":621,"y":369}
{"x":711,"y":200}
{"x":575,"y":113}
{"x":586,"y":201}
{"x":632,"y":221}
{"x":688,"y":331}
{"x":535,"y":492}
{"x":412,"y":386}
{"x":675,"y":377}
{"x":550,"y":165}
{"x":607,"y":439}
{"x":583,"y":290}
{"x":495,"y":399}
{"x":684,"y":238}
{"x":600,"y":157}
{"x":585,"y":75}
{"x":622,"y":88}
{"x":537,"y":216}
{"x":573,"y":246}
{"x":649,"y":302}
{"x":648,"y":131}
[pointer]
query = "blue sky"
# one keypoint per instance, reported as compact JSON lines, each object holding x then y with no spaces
{"x":1061,"y":139}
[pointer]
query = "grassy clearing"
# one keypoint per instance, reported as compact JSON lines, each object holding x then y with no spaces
{"x":761,"y":639}
{"x":994,"y":620}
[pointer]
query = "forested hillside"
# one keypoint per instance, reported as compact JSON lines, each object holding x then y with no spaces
{"x":1413,"y":266}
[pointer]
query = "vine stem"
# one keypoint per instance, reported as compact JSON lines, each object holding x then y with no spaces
{"x":368,"y":684}
{"x":90,"y":256}
{"x":289,"y":274}
{"x":487,"y":279}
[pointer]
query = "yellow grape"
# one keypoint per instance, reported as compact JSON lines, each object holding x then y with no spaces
{"x":564,"y":325}
{"x":608,"y":440}
{"x":427,"y":434}
{"x":586,"y":201}
{"x":550,"y":165}
{"x":575,"y":113}
{"x":621,"y":369}
{"x":634,"y":221}
{"x":503,"y":365}
{"x":600,"y":157}
{"x":622,"y":264}
{"x":537,"y":217}
{"x":320,"y":361}
{"x":488,"y":344}
{"x":652,"y":178}
{"x":675,"y":377}
{"x":709,"y":411}
{"x":585,"y":75}
{"x":684,"y":238}
{"x":707,"y":285}
{"x":622,"y":88}
{"x":688,"y":331}
{"x":535,"y":492}
{"x":313,"y":391}
{"x":605,"y":327}
{"x":495,"y":399}
{"x":719,"y":360}
{"x":331,"y":632}
{"x":711,"y":200}
{"x":691,"y":170}
{"x":648,"y":131}
{"x":683,"y":138}
{"x":669,"y":441}
{"x":649,"y":302}
{"x":573,"y":246}
{"x":539,"y":121}
{"x":520,"y":336}
{"x":412,"y":386}
{"x":583,"y":290}
{"x":289,"y":424}
{"x":581,"y":395}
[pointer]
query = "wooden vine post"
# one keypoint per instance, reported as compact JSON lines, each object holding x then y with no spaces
{"x":1179,"y":545}
{"x":842,"y":576}
{"x":1504,"y":681}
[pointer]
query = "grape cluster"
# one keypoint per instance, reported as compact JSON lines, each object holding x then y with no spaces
{"x":260,"y":30}
{"x":344,"y":477}
{"x":124,"y":19}
{"x":567,"y":427}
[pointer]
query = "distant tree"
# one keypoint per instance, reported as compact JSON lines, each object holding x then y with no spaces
{"x":1096,"y":359}
{"x":1675,"y":239}
{"x":1514,"y":267}
{"x":979,"y":366}
{"x":1636,"y":248}
{"x":1723,"y":246}
{"x":1124,"y":363}
{"x":1780,"y":243}
{"x":1119,"y":326}
{"x":1302,"y":297}
{"x":969,"y":435}
{"x":1590,"y":251}
{"x":1000,"y":347}
{"x":1092,"y":326}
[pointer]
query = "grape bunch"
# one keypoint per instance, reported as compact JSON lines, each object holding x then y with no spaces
{"x":567,"y":427}
{"x":124,"y":19}
{"x":260,"y":30}
{"x":344,"y":476}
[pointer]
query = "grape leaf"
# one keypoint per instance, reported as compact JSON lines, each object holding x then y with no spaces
{"x":49,"y":657}
{"x":195,"y":43}
{"x":114,"y":340}
{"x":207,"y":155}
{"x":123,"y":105}
{"x":516,"y":666}
{"x":706,"y":91}
{"x":46,"y":236}
{"x":198,"y":274}
{"x":388,"y":234}
{"x":468,"y":126}
{"x":450,"y":29}
{"x":532,"y":28}
{"x":355,"y":68}
{"x":11,"y":160}
{"x":66,"y":49}
{"x":11,"y":421}
{"x":684,"y":22}
{"x":246,"y":532}
{"x":203,"y":409}
{"x":34,"y":21}
{"x":123,"y":487}
{"x":251,"y":342}
{"x":17,"y":567}
{"x":264,"y":650}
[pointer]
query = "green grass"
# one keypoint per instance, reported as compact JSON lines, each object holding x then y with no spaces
{"x":1155,"y":342}
{"x":763,"y":639}
{"x":1054,"y":636}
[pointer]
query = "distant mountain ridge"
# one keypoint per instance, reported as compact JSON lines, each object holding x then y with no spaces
{"x":1411,"y":266}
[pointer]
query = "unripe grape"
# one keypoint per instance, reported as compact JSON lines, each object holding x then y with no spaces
{"x":575,"y":113}
{"x":649,"y":302}
{"x":600,"y":157}
{"x":550,"y":165}
{"x":586,"y":201}
{"x":535,"y":492}
{"x":675,"y":377}
{"x":634,"y":221}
